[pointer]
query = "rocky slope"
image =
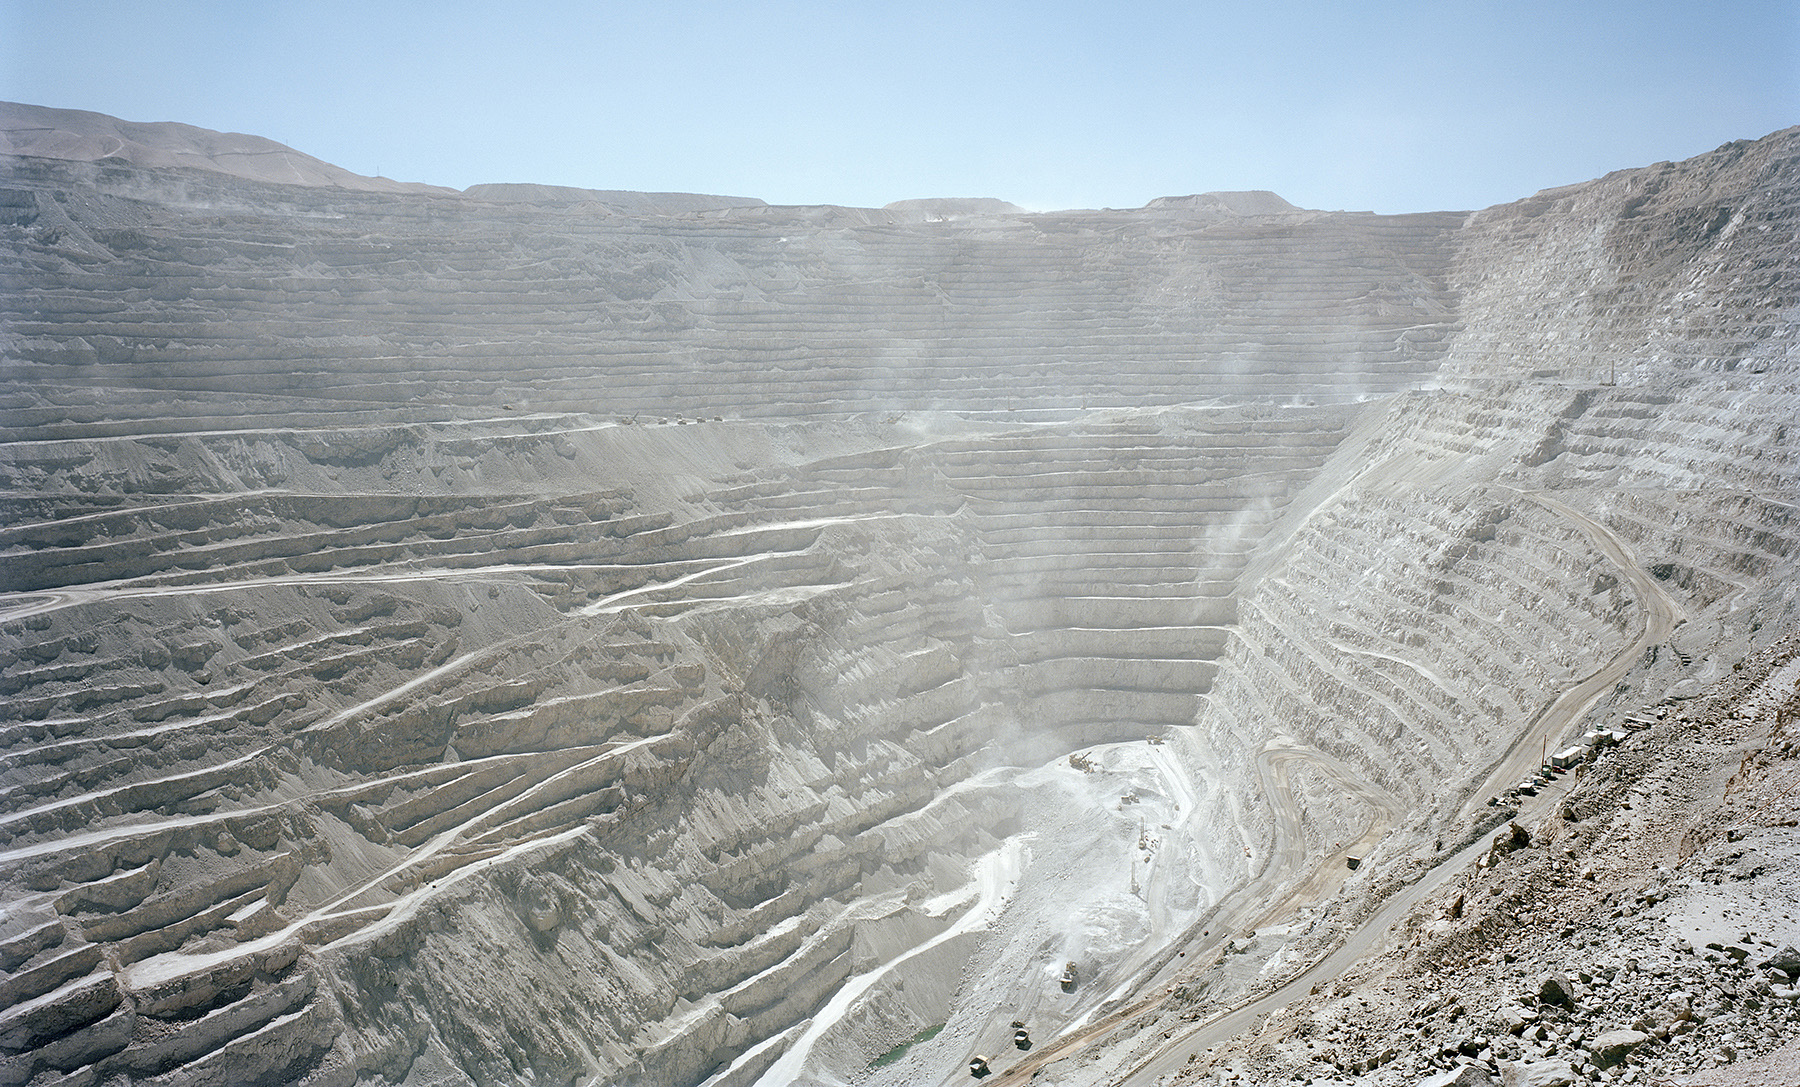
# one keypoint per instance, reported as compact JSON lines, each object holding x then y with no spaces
{"x":527,"y":636}
{"x":1638,"y":926}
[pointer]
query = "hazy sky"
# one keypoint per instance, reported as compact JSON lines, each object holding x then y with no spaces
{"x":1388,"y":106}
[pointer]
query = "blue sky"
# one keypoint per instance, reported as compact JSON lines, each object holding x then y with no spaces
{"x":1392,"y":106}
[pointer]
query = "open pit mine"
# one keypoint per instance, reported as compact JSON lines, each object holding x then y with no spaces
{"x":549,"y":636}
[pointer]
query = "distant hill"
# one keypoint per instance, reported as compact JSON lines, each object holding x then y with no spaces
{"x":665,"y":203}
{"x":955,"y":206}
{"x":1252,"y":202}
{"x":80,"y":136}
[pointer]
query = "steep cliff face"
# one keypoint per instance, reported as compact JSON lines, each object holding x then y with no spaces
{"x":474,"y":640}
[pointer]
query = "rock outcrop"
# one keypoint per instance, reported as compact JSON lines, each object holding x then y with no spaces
{"x":532,"y":636}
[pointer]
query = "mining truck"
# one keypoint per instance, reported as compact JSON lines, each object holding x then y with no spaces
{"x":978,"y":1067}
{"x":1068,"y":978}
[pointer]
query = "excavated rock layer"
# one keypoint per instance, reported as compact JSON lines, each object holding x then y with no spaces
{"x":460,"y":640}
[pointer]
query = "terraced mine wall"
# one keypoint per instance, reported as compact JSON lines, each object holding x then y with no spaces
{"x":514,"y":639}
{"x":147,"y":293}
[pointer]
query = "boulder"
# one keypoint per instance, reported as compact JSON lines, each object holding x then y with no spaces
{"x":1677,"y":1007}
{"x":1511,"y":1018}
{"x":1555,"y":988}
{"x":1550,"y":1073}
{"x":1787,"y":960}
{"x":1612,"y":1046}
{"x":1469,"y":1075}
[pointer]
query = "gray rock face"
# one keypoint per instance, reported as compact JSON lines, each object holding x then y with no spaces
{"x":517,"y":638}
